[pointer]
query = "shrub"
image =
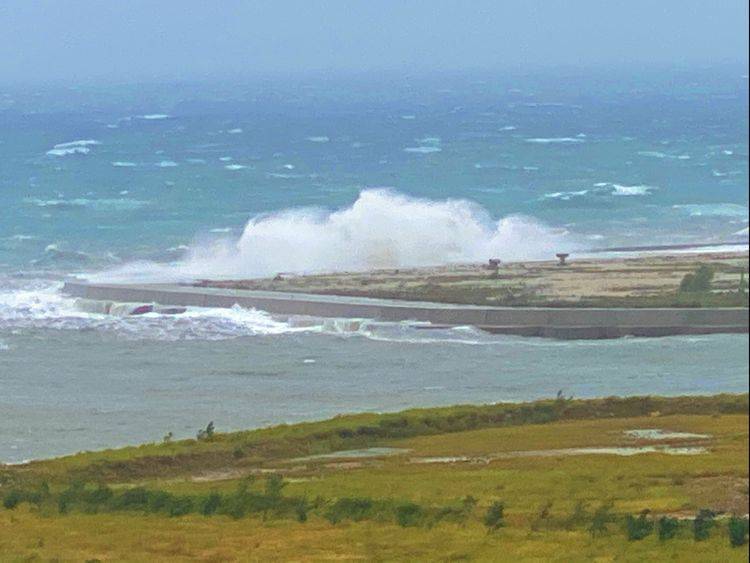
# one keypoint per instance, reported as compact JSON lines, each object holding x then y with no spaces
{"x":179,"y":506}
{"x":602,"y":517}
{"x":13,"y":499}
{"x":274,"y":485}
{"x":158,"y":501}
{"x":349,"y":508}
{"x":495,"y":516}
{"x":408,"y":514}
{"x":668,"y":527}
{"x":207,"y":433}
{"x":300,"y":511}
{"x":698,"y":281}
{"x":210,"y":504}
{"x":702,"y":524}
{"x":577,"y":517}
{"x":135,"y":498}
{"x":640,"y":527}
{"x":738,"y":530}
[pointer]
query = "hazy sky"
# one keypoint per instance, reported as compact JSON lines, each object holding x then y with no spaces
{"x":83,"y":40}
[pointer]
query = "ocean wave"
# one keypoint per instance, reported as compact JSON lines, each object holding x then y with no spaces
{"x":41,"y":305}
{"x":70,"y":150}
{"x":167,"y":164}
{"x":565,"y":196}
{"x":659,"y":154}
{"x":319,"y":139}
{"x":620,"y":190}
{"x":73,"y":147}
{"x":381,"y":229}
{"x":423,"y":150}
{"x":714,"y":210}
{"x":123,"y":164}
{"x":106,"y":204}
{"x":554,"y":140}
{"x":153,"y":116}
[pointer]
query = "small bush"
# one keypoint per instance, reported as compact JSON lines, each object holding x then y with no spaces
{"x":702,"y":524}
{"x":640,"y":527}
{"x":179,"y":506}
{"x":355,"y":509}
{"x":158,"y":501}
{"x":210,"y":504}
{"x":495,"y":516}
{"x":13,"y":499}
{"x":577,"y":517}
{"x":408,"y":514}
{"x":738,"y":530}
{"x":300,"y":511}
{"x":136,"y":498}
{"x":274,"y":485}
{"x":602,"y":516}
{"x":668,"y":527}
{"x":699,"y":281}
{"x":207,"y":433}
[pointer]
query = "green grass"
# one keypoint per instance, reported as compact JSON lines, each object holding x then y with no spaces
{"x":199,"y":500}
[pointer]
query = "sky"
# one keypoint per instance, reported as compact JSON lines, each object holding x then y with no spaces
{"x":85,"y":40}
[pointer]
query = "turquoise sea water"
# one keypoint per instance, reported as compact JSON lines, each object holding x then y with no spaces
{"x":323,"y":173}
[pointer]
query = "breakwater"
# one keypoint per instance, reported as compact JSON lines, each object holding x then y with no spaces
{"x":551,"y":322}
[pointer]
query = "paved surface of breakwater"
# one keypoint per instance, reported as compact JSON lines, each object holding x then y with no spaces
{"x":565,"y":323}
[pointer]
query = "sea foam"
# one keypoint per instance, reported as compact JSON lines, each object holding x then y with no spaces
{"x":381,"y":229}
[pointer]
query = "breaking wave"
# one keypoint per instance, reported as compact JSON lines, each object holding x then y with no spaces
{"x":41,"y":305}
{"x":381,"y":229}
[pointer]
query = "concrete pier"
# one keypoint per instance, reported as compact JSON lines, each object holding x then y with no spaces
{"x":564,"y":323}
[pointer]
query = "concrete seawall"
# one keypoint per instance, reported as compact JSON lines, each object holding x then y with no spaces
{"x":565,"y":323}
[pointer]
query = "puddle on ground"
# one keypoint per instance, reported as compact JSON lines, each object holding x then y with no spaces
{"x":657,"y":434}
{"x":619,"y":451}
{"x":365,"y":452}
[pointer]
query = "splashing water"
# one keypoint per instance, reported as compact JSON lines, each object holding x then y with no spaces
{"x":381,"y":229}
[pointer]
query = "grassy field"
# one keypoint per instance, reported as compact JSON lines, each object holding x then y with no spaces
{"x":562,"y":479}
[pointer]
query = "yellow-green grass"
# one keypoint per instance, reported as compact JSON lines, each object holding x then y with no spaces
{"x":540,"y":493}
{"x":25,"y":536}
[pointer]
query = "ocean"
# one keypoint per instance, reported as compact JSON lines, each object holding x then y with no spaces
{"x":258,"y":176}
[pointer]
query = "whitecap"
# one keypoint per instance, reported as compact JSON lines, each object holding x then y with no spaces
{"x":123,"y":164}
{"x":714,"y":210}
{"x":167,"y":164}
{"x":422,"y":150}
{"x":319,"y":139}
{"x":153,"y":116}
{"x":116,"y":204}
{"x":73,"y":147}
{"x":67,"y":151}
{"x":235,"y":131}
{"x":235,"y":167}
{"x":554,"y":140}
{"x":620,"y":190}
{"x":565,"y":196}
